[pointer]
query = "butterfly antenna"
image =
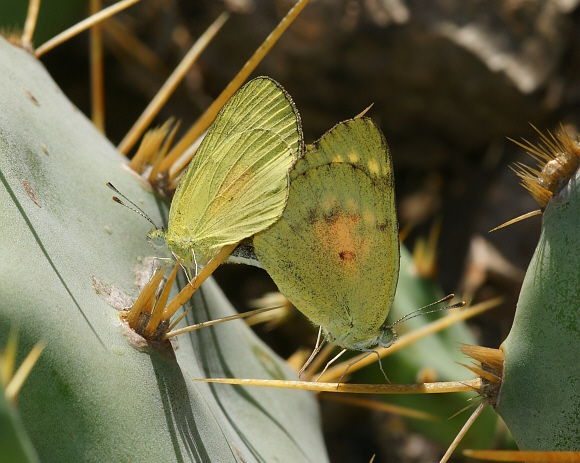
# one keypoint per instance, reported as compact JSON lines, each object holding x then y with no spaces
{"x":135,"y":208}
{"x":421,"y":311}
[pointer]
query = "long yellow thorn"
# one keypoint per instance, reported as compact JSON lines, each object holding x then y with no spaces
{"x":96,"y":70}
{"x":22,"y":373}
{"x":217,"y":321}
{"x":170,"y":85}
{"x":527,"y":215}
{"x":194,"y":284}
{"x":210,"y":113}
{"x":83,"y":25}
{"x":378,"y":406}
{"x":30,"y":23}
{"x":390,"y":388}
{"x":524,"y":455}
{"x":478,"y":411}
{"x":409,"y":338}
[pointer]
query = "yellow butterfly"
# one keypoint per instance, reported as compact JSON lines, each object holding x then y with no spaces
{"x":335,"y":251}
{"x":237,"y":183}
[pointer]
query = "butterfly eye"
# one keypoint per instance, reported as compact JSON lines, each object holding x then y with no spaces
{"x":157,"y":238}
{"x":388,"y":337}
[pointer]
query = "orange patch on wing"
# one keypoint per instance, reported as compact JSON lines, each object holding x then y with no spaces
{"x":233,"y":185}
{"x":236,"y":179}
{"x":341,"y":240}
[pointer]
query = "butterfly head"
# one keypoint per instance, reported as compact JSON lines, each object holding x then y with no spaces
{"x":387,"y":337}
{"x":157,"y":238}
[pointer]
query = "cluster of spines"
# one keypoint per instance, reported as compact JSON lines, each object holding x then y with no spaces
{"x":489,"y":368}
{"x":558,"y":157}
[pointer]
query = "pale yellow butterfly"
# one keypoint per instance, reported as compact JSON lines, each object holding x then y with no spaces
{"x":335,"y":251}
{"x":237,"y":183}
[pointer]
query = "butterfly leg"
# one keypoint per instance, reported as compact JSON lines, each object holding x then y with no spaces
{"x":330,"y":362}
{"x":187,"y":273}
{"x":367,"y":353}
{"x":317,"y":347}
{"x":381,"y":365}
{"x":195,"y":261}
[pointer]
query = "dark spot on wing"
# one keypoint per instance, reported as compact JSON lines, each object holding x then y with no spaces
{"x":332,"y":216}
{"x":312,"y":216}
{"x":382,"y":226}
{"x":347,"y":255}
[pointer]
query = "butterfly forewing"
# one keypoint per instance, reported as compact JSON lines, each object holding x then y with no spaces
{"x":237,"y":183}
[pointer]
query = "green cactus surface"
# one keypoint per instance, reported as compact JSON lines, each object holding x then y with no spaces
{"x":540,"y":399}
{"x":92,"y":396}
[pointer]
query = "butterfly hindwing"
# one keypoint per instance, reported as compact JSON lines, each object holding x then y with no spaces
{"x":335,"y":251}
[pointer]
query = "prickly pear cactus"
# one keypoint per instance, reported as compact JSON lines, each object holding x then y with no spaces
{"x":92,"y":396}
{"x":540,"y":399}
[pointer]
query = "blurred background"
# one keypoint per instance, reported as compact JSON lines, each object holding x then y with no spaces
{"x":449,"y":80}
